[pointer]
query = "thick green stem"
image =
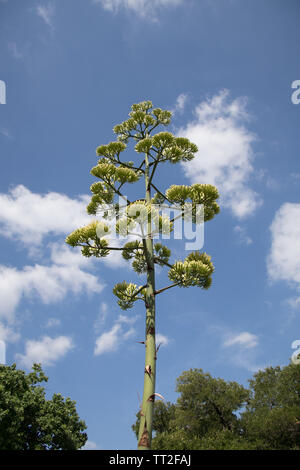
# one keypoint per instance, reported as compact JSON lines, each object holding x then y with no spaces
{"x":145,"y":430}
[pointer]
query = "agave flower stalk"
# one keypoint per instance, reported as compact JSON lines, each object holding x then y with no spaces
{"x":141,"y":214}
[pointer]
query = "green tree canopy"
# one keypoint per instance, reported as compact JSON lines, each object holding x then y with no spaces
{"x":211,"y":413}
{"x":273,"y":411}
{"x":28,"y":421}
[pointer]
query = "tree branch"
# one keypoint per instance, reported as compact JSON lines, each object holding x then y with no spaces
{"x":165,"y":288}
{"x":156,"y":260}
{"x":152,"y":174}
{"x":131,"y":297}
{"x":159,"y":192}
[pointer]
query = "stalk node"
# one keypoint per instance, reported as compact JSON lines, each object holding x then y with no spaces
{"x":148,"y":370}
{"x":144,"y":440}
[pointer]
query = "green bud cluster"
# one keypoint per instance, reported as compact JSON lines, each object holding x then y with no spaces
{"x":111,"y":150}
{"x":162,"y":254}
{"x":102,"y":194}
{"x":142,"y":118}
{"x":158,"y":199}
{"x":111,"y":173}
{"x":163,"y":224}
{"x":205,"y":194}
{"x":127,"y":294}
{"x":134,"y":251}
{"x":168,"y":147}
{"x":87,"y":237}
{"x":196,"y":270}
{"x":130,"y":248}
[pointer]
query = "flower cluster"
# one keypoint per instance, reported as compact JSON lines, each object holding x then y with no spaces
{"x":127,"y":294}
{"x":196,"y":270}
{"x":143,"y":119}
{"x":90,"y":239}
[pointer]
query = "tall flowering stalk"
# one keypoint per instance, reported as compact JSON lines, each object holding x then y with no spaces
{"x":143,"y":215}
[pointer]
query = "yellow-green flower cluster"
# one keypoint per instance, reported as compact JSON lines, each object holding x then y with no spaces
{"x":136,"y":213}
{"x":89,"y":240}
{"x":101,"y":195}
{"x":168,"y":147}
{"x":196,"y":270}
{"x":127,"y":294}
{"x":130,"y":248}
{"x":134,"y":250}
{"x":163,"y":224}
{"x":111,"y":150}
{"x":162,"y":254}
{"x":111,"y":173}
{"x":142,"y":118}
{"x":205,"y":194}
{"x":140,"y":212}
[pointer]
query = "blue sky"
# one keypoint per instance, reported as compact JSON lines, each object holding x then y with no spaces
{"x":72,"y":71}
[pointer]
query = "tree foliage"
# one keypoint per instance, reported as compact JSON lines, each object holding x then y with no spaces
{"x":214,"y":414}
{"x":28,"y":421}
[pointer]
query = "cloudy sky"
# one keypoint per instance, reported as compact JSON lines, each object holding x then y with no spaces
{"x":70,"y":71}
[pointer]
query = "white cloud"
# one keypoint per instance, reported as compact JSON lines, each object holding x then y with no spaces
{"x":141,"y":7}
{"x":110,"y":341}
{"x":7,"y":334}
{"x":127,"y":320}
{"x":129,"y":333}
{"x":29,"y":217}
{"x":161,"y":339}
{"x":101,"y":317}
{"x":225,"y":153}
{"x":180,"y":103}
{"x":283,"y":262}
{"x":243,"y":237}
{"x":247,"y":361}
{"x":46,"y":351}
{"x":63,"y":255}
{"x":53,"y":322}
{"x":293,"y":302}
{"x":46,"y":12}
{"x":90,"y":445}
{"x":239,"y":349}
{"x":49,"y":284}
{"x":244,"y":339}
